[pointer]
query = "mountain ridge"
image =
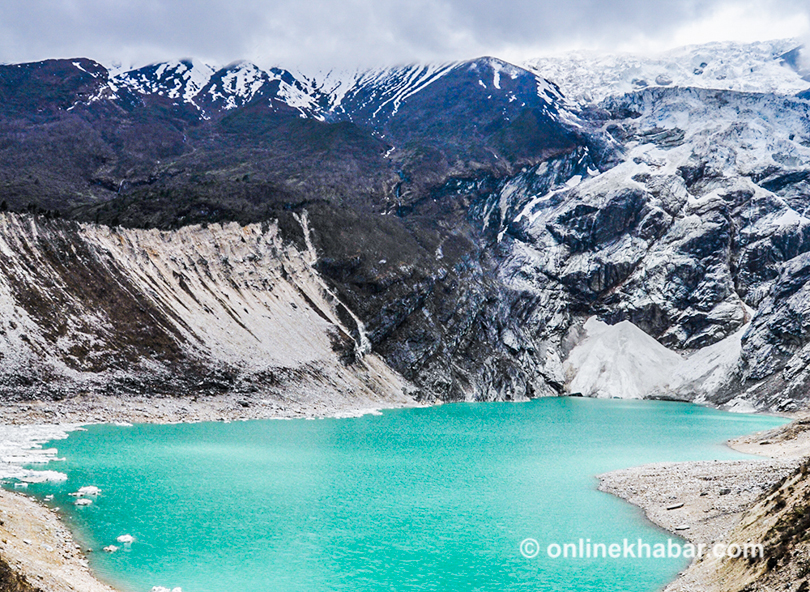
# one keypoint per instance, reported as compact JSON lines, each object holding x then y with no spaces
{"x":468,"y":216}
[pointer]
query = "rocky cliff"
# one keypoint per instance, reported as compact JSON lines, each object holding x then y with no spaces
{"x":222,"y":309}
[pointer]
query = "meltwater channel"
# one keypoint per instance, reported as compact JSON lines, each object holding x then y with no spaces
{"x":428,"y":499}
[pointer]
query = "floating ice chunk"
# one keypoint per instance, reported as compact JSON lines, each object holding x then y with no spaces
{"x":83,"y":502}
{"x":162,"y":589}
{"x":44,"y":477}
{"x":126,"y":539}
{"x":111,"y":549}
{"x":86,"y":490}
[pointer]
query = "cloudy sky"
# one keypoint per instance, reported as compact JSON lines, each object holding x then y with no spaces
{"x":322,"y":34}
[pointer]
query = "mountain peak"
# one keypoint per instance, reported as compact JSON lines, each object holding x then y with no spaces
{"x":179,"y":79}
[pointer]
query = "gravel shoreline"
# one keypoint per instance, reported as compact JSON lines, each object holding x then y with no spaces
{"x":38,"y":552}
{"x":704,"y":502}
{"x":107,"y":409}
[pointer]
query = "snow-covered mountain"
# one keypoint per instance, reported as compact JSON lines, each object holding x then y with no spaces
{"x":344,"y":93}
{"x":378,"y":94}
{"x":583,"y":77}
{"x":362,"y":95}
{"x":213,"y":90}
{"x":242,"y":82}
{"x":180,"y":80}
{"x":466,"y":218}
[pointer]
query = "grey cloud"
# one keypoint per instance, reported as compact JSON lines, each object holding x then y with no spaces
{"x":335,"y":33}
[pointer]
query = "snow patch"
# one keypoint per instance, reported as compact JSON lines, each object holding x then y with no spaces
{"x":789,"y":217}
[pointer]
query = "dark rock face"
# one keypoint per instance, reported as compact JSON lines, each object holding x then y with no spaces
{"x":689,"y":237}
{"x":777,"y":338}
{"x":13,"y":581}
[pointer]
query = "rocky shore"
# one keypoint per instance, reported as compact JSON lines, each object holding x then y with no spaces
{"x":37,"y":552}
{"x":727,"y":502}
{"x":229,"y":407}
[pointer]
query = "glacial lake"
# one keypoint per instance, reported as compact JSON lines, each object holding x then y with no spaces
{"x":431,"y":499}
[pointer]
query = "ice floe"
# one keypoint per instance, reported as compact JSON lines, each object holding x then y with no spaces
{"x":86,"y":490}
{"x":22,"y":445}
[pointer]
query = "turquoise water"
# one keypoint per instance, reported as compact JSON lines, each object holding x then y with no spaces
{"x":430,"y":499}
